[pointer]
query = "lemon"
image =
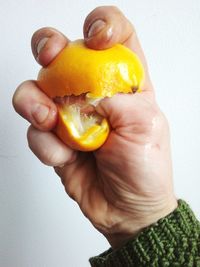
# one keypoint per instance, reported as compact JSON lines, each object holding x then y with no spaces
{"x":77,"y":79}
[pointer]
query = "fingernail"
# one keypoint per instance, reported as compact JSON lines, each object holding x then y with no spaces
{"x":41,"y":44}
{"x":96,"y":27}
{"x":40,"y":113}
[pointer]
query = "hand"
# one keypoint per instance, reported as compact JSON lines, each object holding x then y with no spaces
{"x":126,"y":185}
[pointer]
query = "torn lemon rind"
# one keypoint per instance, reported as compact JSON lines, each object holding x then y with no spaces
{"x":87,"y":132}
{"x":102,"y":73}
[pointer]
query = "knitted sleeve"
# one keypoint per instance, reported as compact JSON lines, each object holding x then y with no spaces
{"x":174,"y":241}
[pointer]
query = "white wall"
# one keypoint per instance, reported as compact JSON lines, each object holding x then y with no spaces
{"x":39,"y":225}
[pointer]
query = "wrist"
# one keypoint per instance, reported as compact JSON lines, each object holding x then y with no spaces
{"x":164,"y":243}
{"x":134,"y":225}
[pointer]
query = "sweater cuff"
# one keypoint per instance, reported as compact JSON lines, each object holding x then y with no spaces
{"x":172,"y":241}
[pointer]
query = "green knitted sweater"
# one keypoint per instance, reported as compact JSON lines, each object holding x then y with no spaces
{"x":173,"y":241}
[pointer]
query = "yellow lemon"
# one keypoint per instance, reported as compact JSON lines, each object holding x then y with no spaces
{"x":77,"y":79}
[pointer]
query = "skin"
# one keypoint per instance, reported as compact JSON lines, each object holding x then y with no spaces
{"x":126,"y":185}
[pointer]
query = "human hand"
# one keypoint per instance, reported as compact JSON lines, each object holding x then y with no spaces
{"x":125,"y":185}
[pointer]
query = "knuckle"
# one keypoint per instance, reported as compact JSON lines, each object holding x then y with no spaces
{"x":46,"y":157}
{"x":39,"y":148}
{"x":22,"y":86}
{"x":51,"y":155}
{"x":158,"y":121}
{"x":56,"y":157}
{"x":70,"y":187}
{"x":71,"y":193}
{"x":110,"y":8}
{"x":148,"y":117}
{"x":50,"y":158}
{"x":104,"y":11}
{"x":18,"y":94}
{"x":30,"y":137}
{"x":29,"y":132}
{"x":115,"y":9}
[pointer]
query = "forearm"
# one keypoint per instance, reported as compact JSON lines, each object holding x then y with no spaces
{"x":172,"y":241}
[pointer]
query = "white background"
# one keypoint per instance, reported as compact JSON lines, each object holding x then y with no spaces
{"x":39,"y":225}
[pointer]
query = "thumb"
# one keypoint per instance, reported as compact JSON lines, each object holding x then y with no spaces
{"x":124,"y":110}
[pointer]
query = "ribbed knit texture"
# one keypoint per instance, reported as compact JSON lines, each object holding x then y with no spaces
{"x":173,"y":241}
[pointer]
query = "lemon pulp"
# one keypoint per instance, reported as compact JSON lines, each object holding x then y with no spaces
{"x":84,"y":125}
